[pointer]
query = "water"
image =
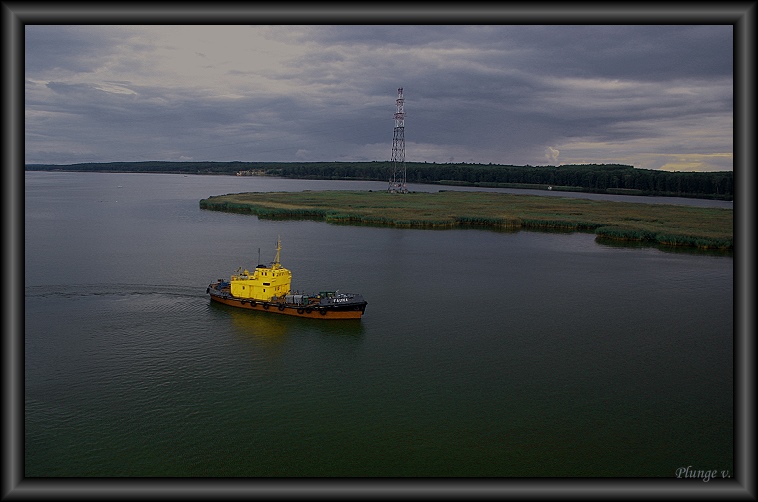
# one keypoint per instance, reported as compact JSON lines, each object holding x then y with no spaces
{"x":480,"y":354}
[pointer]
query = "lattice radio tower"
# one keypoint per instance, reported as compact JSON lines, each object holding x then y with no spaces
{"x":397,"y":181}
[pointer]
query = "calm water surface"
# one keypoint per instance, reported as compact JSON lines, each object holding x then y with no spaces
{"x":480,"y":354}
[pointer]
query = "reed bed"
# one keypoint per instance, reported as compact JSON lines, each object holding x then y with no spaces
{"x":659,"y":224}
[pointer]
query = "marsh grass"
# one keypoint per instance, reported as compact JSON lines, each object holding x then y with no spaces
{"x":662,"y":224}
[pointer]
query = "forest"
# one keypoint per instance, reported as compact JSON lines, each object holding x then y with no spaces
{"x":596,"y":178}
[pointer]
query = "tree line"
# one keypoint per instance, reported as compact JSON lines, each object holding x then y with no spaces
{"x":600,"y":178}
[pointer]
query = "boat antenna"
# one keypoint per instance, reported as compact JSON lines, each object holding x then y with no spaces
{"x":259,"y":256}
{"x":278,"y":250}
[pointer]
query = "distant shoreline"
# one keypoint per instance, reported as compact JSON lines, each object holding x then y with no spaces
{"x":613,"y":179}
{"x":656,"y":224}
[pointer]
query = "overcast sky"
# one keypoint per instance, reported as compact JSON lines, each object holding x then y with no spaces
{"x":655,"y":97}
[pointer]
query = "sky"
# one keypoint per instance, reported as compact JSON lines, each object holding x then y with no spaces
{"x":651,"y":96}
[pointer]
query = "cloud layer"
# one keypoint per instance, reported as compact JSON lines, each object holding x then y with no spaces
{"x":656,"y":97}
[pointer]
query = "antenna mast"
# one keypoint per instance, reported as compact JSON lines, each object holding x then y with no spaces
{"x":276,"y":264}
{"x":397,"y":181}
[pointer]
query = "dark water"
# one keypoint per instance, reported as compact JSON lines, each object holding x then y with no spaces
{"x":480,"y":354}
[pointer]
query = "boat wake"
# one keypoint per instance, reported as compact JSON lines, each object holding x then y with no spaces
{"x":111,"y":289}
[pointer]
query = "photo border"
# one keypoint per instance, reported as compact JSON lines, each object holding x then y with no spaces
{"x":15,"y":15}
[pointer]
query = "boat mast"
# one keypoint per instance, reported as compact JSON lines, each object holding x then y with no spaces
{"x":278,"y":250}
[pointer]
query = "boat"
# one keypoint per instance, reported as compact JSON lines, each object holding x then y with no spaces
{"x":267,"y":289}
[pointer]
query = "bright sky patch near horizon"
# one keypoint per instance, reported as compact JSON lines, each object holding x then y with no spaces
{"x":652,"y":96}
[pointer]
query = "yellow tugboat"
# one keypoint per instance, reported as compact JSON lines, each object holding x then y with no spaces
{"x":267,"y":289}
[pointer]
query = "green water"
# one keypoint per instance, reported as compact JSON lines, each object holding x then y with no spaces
{"x":480,"y":353}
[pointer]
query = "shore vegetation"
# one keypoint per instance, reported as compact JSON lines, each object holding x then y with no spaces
{"x":658,"y":224}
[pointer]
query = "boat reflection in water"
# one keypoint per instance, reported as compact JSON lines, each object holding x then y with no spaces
{"x":270,"y":331}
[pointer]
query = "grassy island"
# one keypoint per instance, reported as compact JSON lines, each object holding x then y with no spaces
{"x":661,"y":224}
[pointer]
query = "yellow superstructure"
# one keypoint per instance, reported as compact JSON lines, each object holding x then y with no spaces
{"x":263,"y":283}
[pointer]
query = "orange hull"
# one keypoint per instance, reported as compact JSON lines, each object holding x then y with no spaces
{"x":315,"y":312}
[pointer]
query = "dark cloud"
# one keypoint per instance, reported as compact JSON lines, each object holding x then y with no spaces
{"x":504,"y":94}
{"x":73,"y":49}
{"x":642,"y":53}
